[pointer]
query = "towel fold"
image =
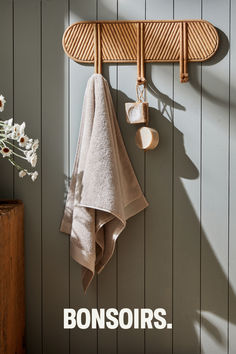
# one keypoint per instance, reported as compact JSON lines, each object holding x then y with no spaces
{"x":104,"y":191}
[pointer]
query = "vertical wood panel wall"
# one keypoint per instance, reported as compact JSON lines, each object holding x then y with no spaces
{"x":180,"y":253}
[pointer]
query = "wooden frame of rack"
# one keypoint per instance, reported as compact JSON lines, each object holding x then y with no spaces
{"x":180,"y":41}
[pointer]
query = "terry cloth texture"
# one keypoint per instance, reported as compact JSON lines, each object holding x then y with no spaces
{"x":104,"y":191}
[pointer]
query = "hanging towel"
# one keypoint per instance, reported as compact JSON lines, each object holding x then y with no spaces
{"x":104,"y":191}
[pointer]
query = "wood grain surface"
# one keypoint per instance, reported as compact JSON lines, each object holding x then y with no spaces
{"x":12,"y":295}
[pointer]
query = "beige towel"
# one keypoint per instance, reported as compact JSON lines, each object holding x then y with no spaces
{"x":104,"y":191}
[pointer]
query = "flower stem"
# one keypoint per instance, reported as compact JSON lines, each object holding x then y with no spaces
{"x":8,"y":142}
{"x":22,"y":157}
{"x":18,"y":166}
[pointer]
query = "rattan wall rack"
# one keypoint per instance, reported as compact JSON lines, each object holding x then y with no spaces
{"x":138,"y":42}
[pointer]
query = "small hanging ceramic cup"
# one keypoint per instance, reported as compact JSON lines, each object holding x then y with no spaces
{"x":147,"y":138}
{"x":137,"y":112}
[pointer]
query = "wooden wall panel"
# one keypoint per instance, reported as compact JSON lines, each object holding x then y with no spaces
{"x":158,"y":187}
{"x":55,"y":245}
{"x":107,"y":280}
{"x":79,"y":75}
{"x":174,"y":255}
{"x":232,"y":183}
{"x":6,"y":88}
{"x":186,"y":200}
{"x":130,"y":249}
{"x":27,"y":107}
{"x":215,"y":164}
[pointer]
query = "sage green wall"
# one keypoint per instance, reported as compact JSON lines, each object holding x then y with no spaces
{"x":183,"y":247}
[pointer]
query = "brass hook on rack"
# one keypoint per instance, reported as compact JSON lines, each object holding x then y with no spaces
{"x":97,"y":49}
{"x":183,"y":52}
{"x":140,"y":54}
{"x":141,"y":81}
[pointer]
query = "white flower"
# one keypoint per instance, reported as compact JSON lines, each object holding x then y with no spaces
{"x":34,"y":176}
{"x":32,"y":159}
{"x":29,"y":144}
{"x":8,"y":123}
{"x":18,"y":130}
{"x":7,"y":126}
{"x":5,"y":151}
{"x":11,"y":135}
{"x":23,"y":139}
{"x":22,"y":128}
{"x":2,"y":103}
{"x":22,"y":173}
{"x":27,"y":153}
{"x":15,"y":132}
{"x":26,"y":148}
{"x":35,"y":145}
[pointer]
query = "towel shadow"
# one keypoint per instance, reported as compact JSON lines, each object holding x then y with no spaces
{"x":217,"y":281}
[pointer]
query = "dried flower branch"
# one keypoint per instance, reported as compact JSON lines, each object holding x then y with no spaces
{"x":10,"y":134}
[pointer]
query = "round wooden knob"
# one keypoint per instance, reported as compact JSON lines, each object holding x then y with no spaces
{"x":147,"y":138}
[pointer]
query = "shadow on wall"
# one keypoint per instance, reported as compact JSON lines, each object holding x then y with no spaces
{"x":186,"y":169}
{"x":222,"y":82}
{"x":216,"y":278}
